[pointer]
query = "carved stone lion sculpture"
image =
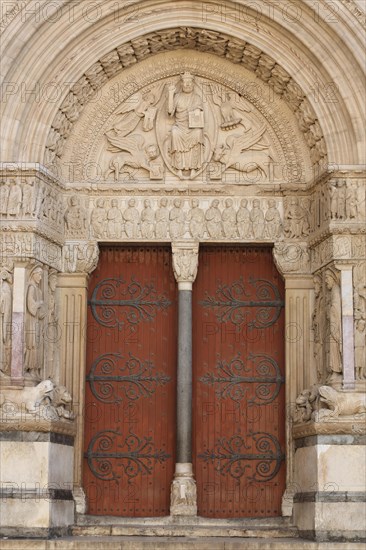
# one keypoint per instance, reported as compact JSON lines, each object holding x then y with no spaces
{"x":32,"y":398}
{"x":61,"y":400}
{"x":306,"y":403}
{"x":341,"y":403}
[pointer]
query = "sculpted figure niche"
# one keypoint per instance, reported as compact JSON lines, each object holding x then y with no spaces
{"x":186,"y":126}
{"x":35,"y":314}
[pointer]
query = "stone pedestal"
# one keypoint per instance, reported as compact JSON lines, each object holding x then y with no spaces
{"x":183,"y":499}
{"x":329,"y":476}
{"x":36,"y":476}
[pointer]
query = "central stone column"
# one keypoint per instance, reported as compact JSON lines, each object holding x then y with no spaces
{"x":183,"y":491}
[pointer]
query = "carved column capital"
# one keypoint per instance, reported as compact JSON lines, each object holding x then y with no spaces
{"x":80,"y":257}
{"x":291,"y":258}
{"x":185,"y":263}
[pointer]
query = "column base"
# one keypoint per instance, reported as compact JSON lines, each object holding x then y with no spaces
{"x":183,"y":493}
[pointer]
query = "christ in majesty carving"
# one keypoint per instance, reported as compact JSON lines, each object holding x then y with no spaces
{"x":187,"y":137}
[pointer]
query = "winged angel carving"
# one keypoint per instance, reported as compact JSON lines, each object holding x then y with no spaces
{"x":177,"y":125}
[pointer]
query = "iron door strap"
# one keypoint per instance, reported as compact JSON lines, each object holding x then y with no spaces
{"x":114,"y":302}
{"x":110,"y":455}
{"x":233,"y":302}
{"x":235,"y":455}
{"x":233,"y":380}
{"x":111,"y":374}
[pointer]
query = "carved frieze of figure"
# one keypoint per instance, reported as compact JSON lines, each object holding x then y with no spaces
{"x":197,"y":222}
{"x":351,"y":202}
{"x":6,"y":293}
{"x":273,"y":225}
{"x":360,"y":348}
{"x":334,"y":326}
{"x":147,"y":220}
{"x":35,"y":314}
{"x":114,"y":220}
{"x":229,"y":220}
{"x":176,"y":220}
{"x":214,"y":220}
{"x":4,"y":197}
{"x":75,"y":218}
{"x":187,"y":137}
{"x":296,"y":222}
{"x":28,"y":204}
{"x":257,"y":219}
{"x":243,"y":220}
{"x":15,"y":198}
{"x":131,"y":217}
{"x":318,"y":326}
{"x":162,"y":219}
{"x":98,"y":219}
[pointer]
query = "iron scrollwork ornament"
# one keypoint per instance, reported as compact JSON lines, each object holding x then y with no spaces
{"x":232,"y":378}
{"x":234,"y":456}
{"x":115,"y":302}
{"x":110,"y":376}
{"x":233,"y":303}
{"x":110,"y":455}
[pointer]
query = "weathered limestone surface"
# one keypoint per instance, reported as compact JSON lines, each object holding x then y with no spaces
{"x":244,"y":125}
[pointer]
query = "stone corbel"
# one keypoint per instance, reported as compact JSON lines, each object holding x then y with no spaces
{"x":185,"y":263}
{"x":291,"y":258}
{"x":80,"y":257}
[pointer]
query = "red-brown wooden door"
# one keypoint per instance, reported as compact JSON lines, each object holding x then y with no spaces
{"x":238,"y":388}
{"x":130,"y":385}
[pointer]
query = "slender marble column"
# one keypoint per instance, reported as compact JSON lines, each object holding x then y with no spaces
{"x":183,"y":489}
{"x":348,"y":355}
{"x":17,"y":352}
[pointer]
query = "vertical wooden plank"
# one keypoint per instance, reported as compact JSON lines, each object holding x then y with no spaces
{"x":129,"y":467}
{"x":234,"y":349}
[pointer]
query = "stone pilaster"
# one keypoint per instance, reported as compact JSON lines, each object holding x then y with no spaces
{"x":81,"y":258}
{"x":183,"y":489}
{"x":292,"y":262}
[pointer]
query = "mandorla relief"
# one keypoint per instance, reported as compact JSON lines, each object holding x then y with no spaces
{"x":186,"y":128}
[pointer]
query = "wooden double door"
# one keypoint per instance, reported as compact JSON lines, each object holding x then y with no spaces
{"x":238,"y":383}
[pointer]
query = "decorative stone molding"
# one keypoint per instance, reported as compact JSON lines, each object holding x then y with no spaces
{"x":217,"y":43}
{"x":185,"y":262}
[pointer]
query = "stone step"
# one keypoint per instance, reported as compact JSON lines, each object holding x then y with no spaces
{"x":181,"y":531}
{"x":178,"y":543}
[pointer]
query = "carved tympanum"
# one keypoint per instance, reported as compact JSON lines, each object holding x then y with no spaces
{"x":184,"y":127}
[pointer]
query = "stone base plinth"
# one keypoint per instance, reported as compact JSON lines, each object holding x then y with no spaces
{"x":330,"y":482}
{"x":36,"y":480}
{"x":183,"y":495}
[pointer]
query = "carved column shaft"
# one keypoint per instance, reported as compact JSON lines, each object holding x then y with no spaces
{"x":184,"y":376}
{"x":183,"y":491}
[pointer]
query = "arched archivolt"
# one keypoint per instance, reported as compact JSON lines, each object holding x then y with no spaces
{"x":61,"y":54}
